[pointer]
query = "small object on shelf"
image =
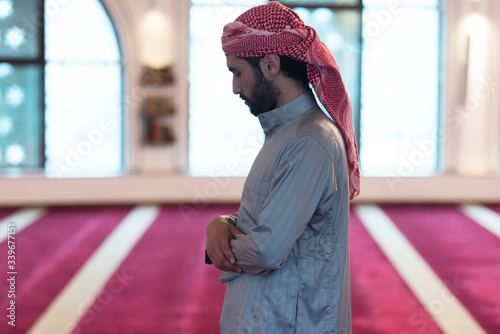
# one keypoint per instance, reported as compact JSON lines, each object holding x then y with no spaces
{"x":158,"y":106}
{"x":157,"y":133}
{"x":156,"y":112}
{"x":157,"y":76}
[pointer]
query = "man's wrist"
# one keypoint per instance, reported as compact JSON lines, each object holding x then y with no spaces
{"x":231,"y":219}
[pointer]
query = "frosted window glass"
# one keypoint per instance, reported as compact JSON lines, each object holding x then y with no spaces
{"x":224,"y":137}
{"x":20,"y":127}
{"x":83,"y":84}
{"x":19,"y":29}
{"x":83,"y":132}
{"x":340,"y":31}
{"x":295,"y":3}
{"x":225,"y":3}
{"x":392,"y":4}
{"x":400,"y":82}
{"x":83,"y":92}
{"x":79,"y":30}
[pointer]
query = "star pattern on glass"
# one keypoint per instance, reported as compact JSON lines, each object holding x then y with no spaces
{"x":5,"y":70}
{"x":15,"y":154}
{"x":5,"y":8}
{"x":14,"y":37}
{"x":5,"y":126}
{"x":14,"y":95}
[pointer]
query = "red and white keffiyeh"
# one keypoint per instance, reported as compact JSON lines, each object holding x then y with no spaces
{"x":276,"y":29}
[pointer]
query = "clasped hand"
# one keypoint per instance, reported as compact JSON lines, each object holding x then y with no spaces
{"x":219,"y":235}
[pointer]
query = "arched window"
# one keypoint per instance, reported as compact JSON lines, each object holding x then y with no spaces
{"x":61,"y":89}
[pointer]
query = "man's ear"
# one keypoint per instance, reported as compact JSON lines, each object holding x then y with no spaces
{"x":271,"y":65}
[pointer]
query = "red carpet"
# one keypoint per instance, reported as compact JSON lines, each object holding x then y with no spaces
{"x":495,"y":208}
{"x":4,"y":212}
{"x":163,"y":286}
{"x":381,"y":301}
{"x":463,"y":254}
{"x":171,"y":291}
{"x":50,"y":252}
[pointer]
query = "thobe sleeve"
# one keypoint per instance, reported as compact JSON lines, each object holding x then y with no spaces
{"x":304,"y":175}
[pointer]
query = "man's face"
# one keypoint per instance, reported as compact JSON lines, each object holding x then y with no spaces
{"x":259,"y":94}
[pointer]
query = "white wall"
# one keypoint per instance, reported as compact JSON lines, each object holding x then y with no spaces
{"x":473,"y":123}
{"x":471,"y":140}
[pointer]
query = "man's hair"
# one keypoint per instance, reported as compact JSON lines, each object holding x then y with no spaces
{"x":291,"y":68}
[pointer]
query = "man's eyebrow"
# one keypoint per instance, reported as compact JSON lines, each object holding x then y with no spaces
{"x":232,"y":69}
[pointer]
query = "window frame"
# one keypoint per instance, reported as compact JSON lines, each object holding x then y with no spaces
{"x":40,"y":62}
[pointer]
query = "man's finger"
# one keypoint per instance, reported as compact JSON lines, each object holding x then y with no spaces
{"x":226,"y":266}
{"x":228,"y":253}
{"x":219,"y":259}
{"x":221,"y":262}
{"x":235,"y":231}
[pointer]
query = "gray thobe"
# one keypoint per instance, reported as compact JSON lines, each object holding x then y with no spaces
{"x":294,"y":214}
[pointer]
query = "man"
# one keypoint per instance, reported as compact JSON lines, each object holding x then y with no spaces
{"x":285,"y":253}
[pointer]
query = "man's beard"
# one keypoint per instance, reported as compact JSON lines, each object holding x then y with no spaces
{"x":264,"y":96}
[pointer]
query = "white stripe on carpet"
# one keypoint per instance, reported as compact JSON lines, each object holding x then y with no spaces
{"x":448,"y":313}
{"x":21,"y":218}
{"x":485,"y":217}
{"x":64,"y":313}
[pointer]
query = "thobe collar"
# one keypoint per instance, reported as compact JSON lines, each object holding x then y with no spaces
{"x":272,"y":119}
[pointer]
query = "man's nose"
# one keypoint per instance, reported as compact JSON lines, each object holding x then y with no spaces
{"x":236,"y":87}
